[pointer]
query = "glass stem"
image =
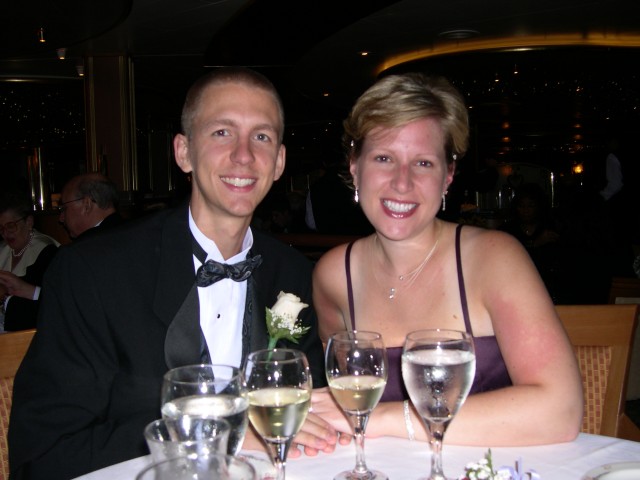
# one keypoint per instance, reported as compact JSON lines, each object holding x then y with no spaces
{"x":359,"y":425}
{"x":436,"y":436}
{"x":278,"y":452}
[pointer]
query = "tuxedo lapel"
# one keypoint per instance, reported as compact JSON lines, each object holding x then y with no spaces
{"x":175,"y":265}
{"x":254,"y":329}
{"x":255,"y":322}
{"x":176,"y":297}
{"x":183,"y":342}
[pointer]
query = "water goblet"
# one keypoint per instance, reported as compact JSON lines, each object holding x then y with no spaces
{"x":356,"y":367}
{"x":438,"y":367}
{"x":186,"y":435}
{"x":214,"y":466}
{"x":279,"y":392}
{"x":217,"y":391}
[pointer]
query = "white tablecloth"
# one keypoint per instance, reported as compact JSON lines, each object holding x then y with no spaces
{"x":401,"y":459}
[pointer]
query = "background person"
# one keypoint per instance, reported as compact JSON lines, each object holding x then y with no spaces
{"x":123,"y":307}
{"x":25,"y":255}
{"x":403,"y":138}
{"x":88,"y":204}
{"x":532,"y":223}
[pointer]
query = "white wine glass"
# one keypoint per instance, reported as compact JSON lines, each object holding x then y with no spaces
{"x":438,"y":367}
{"x":279,"y":391}
{"x":356,"y":366}
{"x":216,"y":391}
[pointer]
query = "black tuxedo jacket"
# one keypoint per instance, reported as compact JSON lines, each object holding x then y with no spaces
{"x":109,"y":222}
{"x":91,"y":379}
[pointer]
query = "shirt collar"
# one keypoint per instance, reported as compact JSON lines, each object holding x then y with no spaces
{"x":209,"y":246}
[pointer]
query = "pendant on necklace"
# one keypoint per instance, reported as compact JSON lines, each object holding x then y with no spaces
{"x":392,"y":293}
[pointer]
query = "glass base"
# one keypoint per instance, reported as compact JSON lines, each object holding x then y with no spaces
{"x":369,"y":475}
{"x":436,"y":477}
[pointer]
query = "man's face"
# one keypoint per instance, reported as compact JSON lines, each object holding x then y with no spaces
{"x":233,"y":151}
{"x":72,"y":213}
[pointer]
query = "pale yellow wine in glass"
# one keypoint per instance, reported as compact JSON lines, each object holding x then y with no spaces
{"x":356,"y":367}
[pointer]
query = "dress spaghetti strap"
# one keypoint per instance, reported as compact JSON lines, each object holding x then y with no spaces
{"x":347,"y":265}
{"x":463,"y":292}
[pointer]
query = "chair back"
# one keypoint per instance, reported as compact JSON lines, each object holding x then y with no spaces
{"x":13,"y":346}
{"x":627,"y":290}
{"x":601,"y":336}
{"x":624,"y":290}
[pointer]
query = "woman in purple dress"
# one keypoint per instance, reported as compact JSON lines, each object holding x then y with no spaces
{"x":403,"y":139}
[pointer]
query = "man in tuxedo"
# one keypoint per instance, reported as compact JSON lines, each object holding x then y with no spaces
{"x":88,"y":204}
{"x":123,"y":307}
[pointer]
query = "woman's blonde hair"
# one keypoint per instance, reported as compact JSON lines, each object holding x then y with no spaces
{"x":396,"y":100}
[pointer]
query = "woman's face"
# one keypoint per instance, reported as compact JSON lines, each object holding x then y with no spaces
{"x":15,"y":229}
{"x":401,"y":174}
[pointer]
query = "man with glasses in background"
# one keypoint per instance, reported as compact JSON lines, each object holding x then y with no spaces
{"x":88,"y":204}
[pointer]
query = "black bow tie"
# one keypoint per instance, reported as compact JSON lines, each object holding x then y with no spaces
{"x":211,"y":271}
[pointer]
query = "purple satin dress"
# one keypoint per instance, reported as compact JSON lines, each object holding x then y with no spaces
{"x":491,"y":371}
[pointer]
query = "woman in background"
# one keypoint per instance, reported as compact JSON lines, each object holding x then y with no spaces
{"x":24,"y":257}
{"x":403,"y":138}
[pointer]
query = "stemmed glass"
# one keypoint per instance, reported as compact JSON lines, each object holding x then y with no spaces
{"x":279,"y":391}
{"x":216,"y":391}
{"x":438,"y":367}
{"x":356,"y":367}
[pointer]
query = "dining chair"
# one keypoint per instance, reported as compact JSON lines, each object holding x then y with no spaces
{"x":602,"y":337}
{"x":13,"y":346}
{"x":624,"y":290}
{"x":627,"y":290}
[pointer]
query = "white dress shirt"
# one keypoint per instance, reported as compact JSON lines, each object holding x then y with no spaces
{"x":222,"y":304}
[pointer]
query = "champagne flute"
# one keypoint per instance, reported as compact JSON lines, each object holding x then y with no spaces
{"x":438,"y":367}
{"x":356,"y":367}
{"x":216,"y":391}
{"x":279,"y":391}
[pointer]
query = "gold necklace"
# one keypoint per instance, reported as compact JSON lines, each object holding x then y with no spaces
{"x":412,"y":275}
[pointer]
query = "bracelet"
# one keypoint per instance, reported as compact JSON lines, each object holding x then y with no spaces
{"x":407,"y":421}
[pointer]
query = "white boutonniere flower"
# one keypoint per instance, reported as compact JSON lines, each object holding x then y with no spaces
{"x":282,"y":319}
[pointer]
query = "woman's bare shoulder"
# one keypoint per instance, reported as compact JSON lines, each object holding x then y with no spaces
{"x":483,"y":238}
{"x":331,"y":259}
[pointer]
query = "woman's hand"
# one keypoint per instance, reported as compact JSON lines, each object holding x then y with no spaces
{"x":14,"y":285}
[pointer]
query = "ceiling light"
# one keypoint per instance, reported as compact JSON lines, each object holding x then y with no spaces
{"x":80,"y":69}
{"x":62,"y":52}
{"x":458,"y":34}
{"x":41,"y":38}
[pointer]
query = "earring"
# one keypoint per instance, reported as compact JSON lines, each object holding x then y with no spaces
{"x":444,"y":201}
{"x":356,"y":198}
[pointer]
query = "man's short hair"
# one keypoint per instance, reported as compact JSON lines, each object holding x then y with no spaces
{"x":100,"y":189}
{"x":222,"y":76}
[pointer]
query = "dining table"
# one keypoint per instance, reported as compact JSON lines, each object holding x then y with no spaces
{"x":403,"y":459}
